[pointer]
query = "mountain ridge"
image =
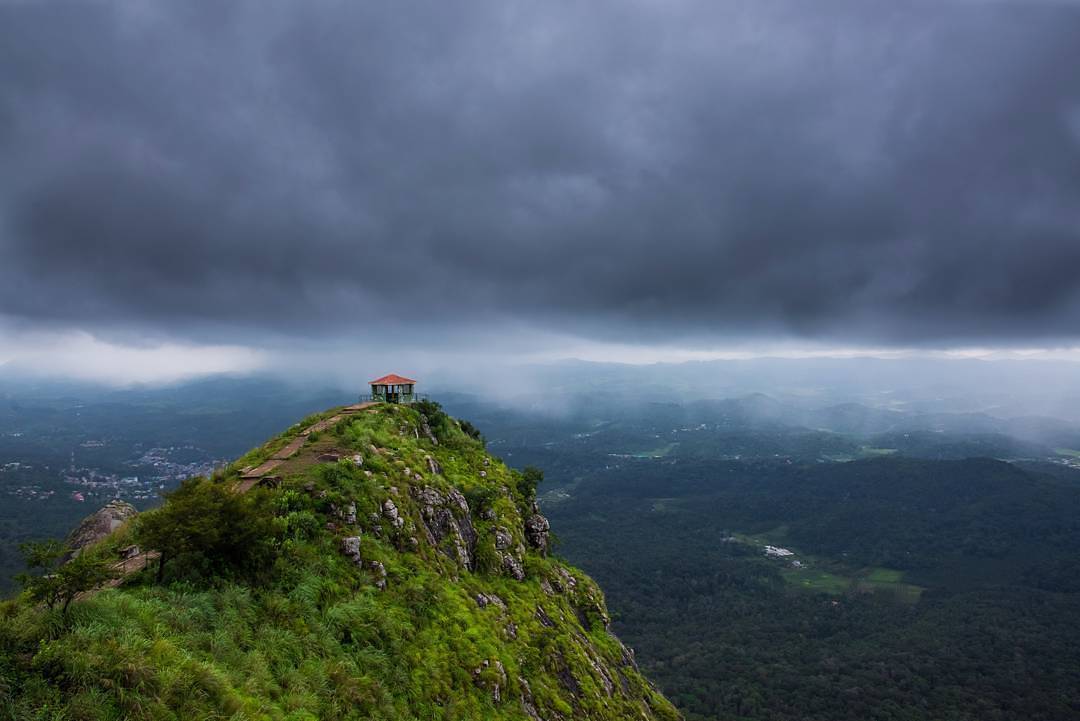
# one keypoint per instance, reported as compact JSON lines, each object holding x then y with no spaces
{"x":388,"y":567}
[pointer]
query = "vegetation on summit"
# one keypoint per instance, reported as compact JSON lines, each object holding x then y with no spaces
{"x":391,"y":569}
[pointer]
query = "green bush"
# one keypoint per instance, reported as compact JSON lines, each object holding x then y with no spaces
{"x":55,"y":583}
{"x":205,"y":529}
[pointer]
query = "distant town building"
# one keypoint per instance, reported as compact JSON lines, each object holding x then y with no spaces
{"x":393,"y":389}
{"x":777,"y":552}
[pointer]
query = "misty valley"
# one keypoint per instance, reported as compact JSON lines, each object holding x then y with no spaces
{"x":766,"y":558}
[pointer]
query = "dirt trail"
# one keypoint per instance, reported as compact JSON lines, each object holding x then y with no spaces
{"x":249,"y":478}
{"x":297,"y":443}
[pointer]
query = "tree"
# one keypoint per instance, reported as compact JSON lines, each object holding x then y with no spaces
{"x":531,"y":478}
{"x":56,"y":583}
{"x":207,"y":528}
{"x":471,"y":431}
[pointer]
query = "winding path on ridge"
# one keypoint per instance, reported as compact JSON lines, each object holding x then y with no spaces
{"x":249,"y":478}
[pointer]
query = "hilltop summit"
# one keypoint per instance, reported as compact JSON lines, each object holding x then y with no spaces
{"x":370,"y":562}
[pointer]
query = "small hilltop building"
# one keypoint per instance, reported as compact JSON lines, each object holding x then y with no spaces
{"x":394,"y":389}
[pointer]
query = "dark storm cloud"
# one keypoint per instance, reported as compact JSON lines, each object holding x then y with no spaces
{"x":677,"y":171}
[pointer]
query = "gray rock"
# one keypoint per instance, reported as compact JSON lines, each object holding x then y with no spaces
{"x":458,"y":500}
{"x":391,"y":512}
{"x":483,"y":600}
{"x":528,"y":705}
{"x":99,"y":524}
{"x":433,"y":465}
{"x":491,"y":676}
{"x":503,"y":538}
{"x":448,"y":517}
{"x":536,"y":532}
{"x":512,"y":567}
{"x":380,"y":574}
{"x":544,"y":618}
{"x":427,"y":432}
{"x":350,"y":546}
{"x":346,"y":514}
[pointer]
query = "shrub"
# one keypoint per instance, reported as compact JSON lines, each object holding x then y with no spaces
{"x":531,"y":477}
{"x":471,"y":431}
{"x":206,"y":528}
{"x":56,"y":583}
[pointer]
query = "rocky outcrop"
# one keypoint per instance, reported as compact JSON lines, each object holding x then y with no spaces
{"x":483,"y":600}
{"x":503,"y":539}
{"x":390,"y":510}
{"x":512,"y":567}
{"x":537,"y":529}
{"x":491,"y":676}
{"x":379,"y":571}
{"x":447,"y":519}
{"x":350,"y":546}
{"x":526,"y":698}
{"x":99,"y":524}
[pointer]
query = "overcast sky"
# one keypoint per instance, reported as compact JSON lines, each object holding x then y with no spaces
{"x":239,"y":181}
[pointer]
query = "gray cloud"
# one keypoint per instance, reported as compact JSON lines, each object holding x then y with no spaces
{"x":869,"y":172}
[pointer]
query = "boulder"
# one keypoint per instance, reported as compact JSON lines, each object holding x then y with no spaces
{"x":536,"y":532}
{"x":99,"y":524}
{"x":350,"y":546}
{"x":512,"y":567}
{"x":503,"y":539}
{"x":391,"y":512}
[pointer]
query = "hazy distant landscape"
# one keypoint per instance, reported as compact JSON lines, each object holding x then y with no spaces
{"x":759,"y":551}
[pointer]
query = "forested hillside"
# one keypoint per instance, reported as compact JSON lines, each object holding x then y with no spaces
{"x":913,"y":589}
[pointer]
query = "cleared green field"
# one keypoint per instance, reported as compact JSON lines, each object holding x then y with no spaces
{"x":889,"y":581}
{"x":812,"y":579}
{"x":884,"y":575}
{"x":868,"y":451}
{"x":656,"y":452}
{"x":665,"y":505}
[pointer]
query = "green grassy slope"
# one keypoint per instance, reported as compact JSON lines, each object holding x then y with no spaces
{"x":446,"y":608}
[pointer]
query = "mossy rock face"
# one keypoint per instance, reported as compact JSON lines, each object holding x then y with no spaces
{"x":409,"y":579}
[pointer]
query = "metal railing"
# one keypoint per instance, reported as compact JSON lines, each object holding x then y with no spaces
{"x":401,"y":397}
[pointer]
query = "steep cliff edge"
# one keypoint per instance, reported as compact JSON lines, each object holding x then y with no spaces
{"x":368,"y":563}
